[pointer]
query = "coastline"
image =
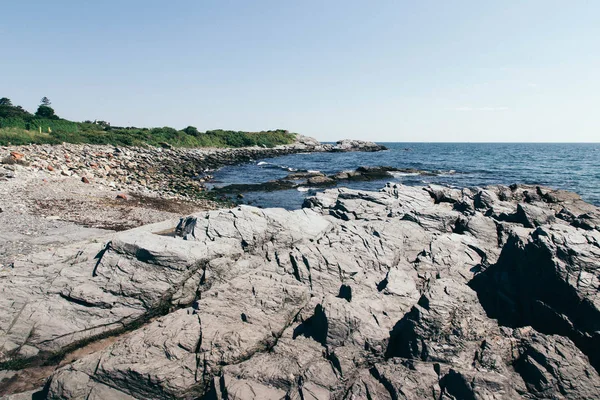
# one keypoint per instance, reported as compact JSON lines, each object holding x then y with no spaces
{"x":52,"y":195}
{"x":99,"y":270}
{"x":408,"y":287}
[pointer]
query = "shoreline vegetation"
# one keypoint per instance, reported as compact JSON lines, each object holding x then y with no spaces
{"x":20,"y":127}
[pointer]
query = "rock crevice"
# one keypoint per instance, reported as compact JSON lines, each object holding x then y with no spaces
{"x":405,"y":293}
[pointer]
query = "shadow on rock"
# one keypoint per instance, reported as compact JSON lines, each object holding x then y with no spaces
{"x":545,"y":282}
{"x":315,"y":327}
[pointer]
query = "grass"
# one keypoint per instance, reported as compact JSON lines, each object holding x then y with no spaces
{"x":17,"y":131}
{"x":19,"y":136}
{"x":20,"y":127}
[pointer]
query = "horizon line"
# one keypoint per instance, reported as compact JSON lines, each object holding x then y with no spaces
{"x":479,"y":142}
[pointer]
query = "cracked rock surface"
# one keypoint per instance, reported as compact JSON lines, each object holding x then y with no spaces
{"x":405,"y":293}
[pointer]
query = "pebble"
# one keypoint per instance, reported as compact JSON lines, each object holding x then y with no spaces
{"x":168,"y":172}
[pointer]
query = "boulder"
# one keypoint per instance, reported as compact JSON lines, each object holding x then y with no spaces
{"x":357,"y":145}
{"x":320,"y":181}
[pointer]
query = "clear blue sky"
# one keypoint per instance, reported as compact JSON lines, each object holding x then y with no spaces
{"x":379,"y":70}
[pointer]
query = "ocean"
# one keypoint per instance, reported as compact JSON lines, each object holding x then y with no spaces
{"x":570,"y":166}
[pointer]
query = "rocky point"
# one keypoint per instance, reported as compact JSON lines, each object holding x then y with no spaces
{"x":405,"y":293}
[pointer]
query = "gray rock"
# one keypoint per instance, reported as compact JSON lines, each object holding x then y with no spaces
{"x":357,"y":145}
{"x":548,"y":279}
{"x":165,"y":171}
{"x":361,"y":295}
{"x":320,"y":181}
{"x":552,"y":367}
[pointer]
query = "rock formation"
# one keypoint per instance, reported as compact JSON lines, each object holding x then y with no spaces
{"x":305,"y":178}
{"x":406,"y":293}
{"x":356,"y":145}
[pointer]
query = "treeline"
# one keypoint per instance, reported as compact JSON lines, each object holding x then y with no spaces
{"x":18,"y":127}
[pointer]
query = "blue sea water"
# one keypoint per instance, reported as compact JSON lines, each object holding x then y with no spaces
{"x":572,"y":166}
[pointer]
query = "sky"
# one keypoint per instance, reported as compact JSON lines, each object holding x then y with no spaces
{"x":426,"y":71}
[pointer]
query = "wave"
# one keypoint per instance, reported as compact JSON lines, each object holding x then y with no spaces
{"x":397,"y":174}
{"x":446,"y":173}
{"x":265,"y":164}
{"x":310,"y":190}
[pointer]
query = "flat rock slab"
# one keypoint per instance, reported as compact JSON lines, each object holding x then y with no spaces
{"x":407,"y":292}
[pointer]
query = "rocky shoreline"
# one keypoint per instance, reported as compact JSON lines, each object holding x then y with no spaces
{"x":53,"y":195}
{"x":166,"y":172}
{"x":409,"y":292}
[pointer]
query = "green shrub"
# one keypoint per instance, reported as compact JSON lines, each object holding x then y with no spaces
{"x":192,"y":131}
{"x":10,"y":111}
{"x":17,"y":126}
{"x":45,"y":112}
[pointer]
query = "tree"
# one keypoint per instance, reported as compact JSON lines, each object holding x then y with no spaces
{"x":45,"y":112}
{"x":9,"y":110}
{"x":192,"y":130}
{"x":45,"y":102}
